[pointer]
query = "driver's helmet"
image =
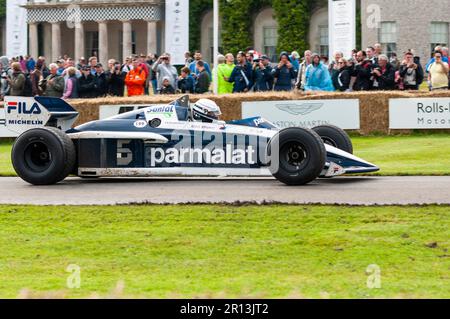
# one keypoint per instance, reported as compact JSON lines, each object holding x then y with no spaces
{"x":205,"y":110}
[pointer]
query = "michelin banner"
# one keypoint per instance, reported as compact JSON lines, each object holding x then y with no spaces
{"x":342,"y":26}
{"x":306,"y":113}
{"x":421,"y":113}
{"x":177,"y":29}
{"x":16,"y":28}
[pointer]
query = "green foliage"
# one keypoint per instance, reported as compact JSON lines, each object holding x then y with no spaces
{"x":2,"y":9}
{"x":197,"y":9}
{"x":293,"y":18}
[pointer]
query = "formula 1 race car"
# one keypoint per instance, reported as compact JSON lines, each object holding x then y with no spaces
{"x":177,"y":139}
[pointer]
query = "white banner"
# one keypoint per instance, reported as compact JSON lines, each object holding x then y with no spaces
{"x":4,"y":132}
{"x":177,"y":29}
{"x":342,"y":26}
{"x":16,"y":28}
{"x":306,"y":113}
{"x":420,"y":113}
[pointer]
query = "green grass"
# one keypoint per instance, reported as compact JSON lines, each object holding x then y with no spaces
{"x":419,"y":154}
{"x":219,"y":251}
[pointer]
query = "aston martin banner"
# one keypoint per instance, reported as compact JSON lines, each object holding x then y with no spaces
{"x":342,"y":26}
{"x":16,"y":28}
{"x":306,"y":113}
{"x":177,"y":29}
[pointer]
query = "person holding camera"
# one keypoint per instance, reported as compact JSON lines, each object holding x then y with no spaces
{"x":438,"y":73}
{"x":262,"y":73}
{"x":284,"y":73}
{"x":164,"y":69}
{"x":186,"y":82}
{"x":411,"y":73}
{"x":116,"y":78}
{"x":383,"y":74}
{"x":52,"y":85}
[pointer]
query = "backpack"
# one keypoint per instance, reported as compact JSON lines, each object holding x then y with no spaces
{"x":27,"y":87}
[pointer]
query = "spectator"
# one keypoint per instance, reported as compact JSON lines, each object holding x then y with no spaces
{"x":188,"y":59}
{"x":370,"y":52}
{"x":166,"y":87}
{"x":241,"y":76}
{"x":61,"y":67}
{"x":383,"y":74}
{"x":86,"y":84}
{"x":362,"y":72}
{"x":438,"y":73}
{"x":128,"y":65}
{"x":81,"y":63}
{"x":116,"y":79}
{"x":317,"y":76}
{"x":341,"y":78}
{"x":301,"y":76}
{"x":224,"y":70}
{"x":432,"y":60}
{"x":378,"y":50}
{"x":135,"y":79}
{"x":16,"y":80}
{"x":4,"y":84}
{"x":35,"y":78}
{"x":102,"y":80}
{"x":263,"y":74}
{"x":151,"y":59}
{"x":92,"y":63}
{"x":294,"y":58}
{"x":163,"y":68}
{"x":203,"y":80}
{"x":52,"y":85}
{"x":186,"y":82}
{"x":284,"y":73}
{"x":411,"y":73}
{"x":71,"y":85}
{"x":31,"y":64}
{"x":393,"y":60}
{"x":333,"y":67}
{"x":193,"y":66}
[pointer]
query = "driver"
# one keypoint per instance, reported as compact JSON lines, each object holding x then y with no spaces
{"x":205,"y":110}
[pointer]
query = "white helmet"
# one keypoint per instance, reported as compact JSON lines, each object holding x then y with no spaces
{"x":205,"y":110}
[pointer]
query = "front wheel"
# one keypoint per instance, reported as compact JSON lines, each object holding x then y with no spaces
{"x":297,"y":156}
{"x":335,"y":136}
{"x":43,"y":156}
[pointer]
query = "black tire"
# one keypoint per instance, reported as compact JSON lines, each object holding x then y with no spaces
{"x":301,"y":158}
{"x":43,"y":156}
{"x":335,"y":136}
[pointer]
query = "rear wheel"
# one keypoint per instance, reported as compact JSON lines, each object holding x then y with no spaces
{"x":43,"y":156}
{"x":335,"y":136}
{"x":297,"y":156}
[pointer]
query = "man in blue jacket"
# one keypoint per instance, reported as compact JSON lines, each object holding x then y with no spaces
{"x":193,"y":66}
{"x":262,"y":74}
{"x":242,"y":76}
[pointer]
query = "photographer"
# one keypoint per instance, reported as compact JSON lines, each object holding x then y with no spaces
{"x":383,"y":74}
{"x":241,"y":76}
{"x":262,"y":73}
{"x":52,"y":85}
{"x":284,"y":73}
{"x":16,"y":80}
{"x":186,"y":81}
{"x":116,"y":78}
{"x":362,"y":72}
{"x":164,"y":69}
{"x":411,"y":72}
{"x":438,"y":73}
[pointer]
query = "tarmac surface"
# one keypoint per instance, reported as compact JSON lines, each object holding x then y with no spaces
{"x":412,"y":190}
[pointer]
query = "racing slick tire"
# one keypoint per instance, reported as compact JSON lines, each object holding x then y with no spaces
{"x":335,"y":136}
{"x":301,"y":156}
{"x":43,"y":156}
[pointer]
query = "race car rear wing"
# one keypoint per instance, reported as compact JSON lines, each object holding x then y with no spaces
{"x":25,"y":113}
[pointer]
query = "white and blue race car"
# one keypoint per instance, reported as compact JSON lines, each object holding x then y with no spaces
{"x":169,"y":140}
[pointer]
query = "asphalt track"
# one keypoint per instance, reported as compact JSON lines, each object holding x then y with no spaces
{"x":343,"y":190}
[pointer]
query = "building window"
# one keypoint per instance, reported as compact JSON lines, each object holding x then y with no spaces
{"x":270,"y":40}
{"x":323,"y":48}
{"x":388,"y":37}
{"x":439,"y":34}
{"x":91,"y":43}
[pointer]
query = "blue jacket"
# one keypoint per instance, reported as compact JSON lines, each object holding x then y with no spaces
{"x":263,"y":79}
{"x":318,"y":78}
{"x":284,"y":77}
{"x":193,"y":68}
{"x":240,"y":81}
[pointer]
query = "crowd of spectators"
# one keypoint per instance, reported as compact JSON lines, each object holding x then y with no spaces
{"x":365,"y":70}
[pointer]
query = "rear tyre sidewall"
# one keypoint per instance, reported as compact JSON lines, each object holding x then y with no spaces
{"x":335,"y":136}
{"x":299,"y":169}
{"x":29,"y":159}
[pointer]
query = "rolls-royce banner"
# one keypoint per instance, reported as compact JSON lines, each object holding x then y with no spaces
{"x":420,"y":113}
{"x":177,"y":29}
{"x":306,"y":113}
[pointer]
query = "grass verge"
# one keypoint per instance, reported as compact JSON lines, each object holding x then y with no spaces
{"x":223,"y":251}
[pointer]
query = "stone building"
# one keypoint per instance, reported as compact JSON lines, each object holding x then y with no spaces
{"x":117,"y":28}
